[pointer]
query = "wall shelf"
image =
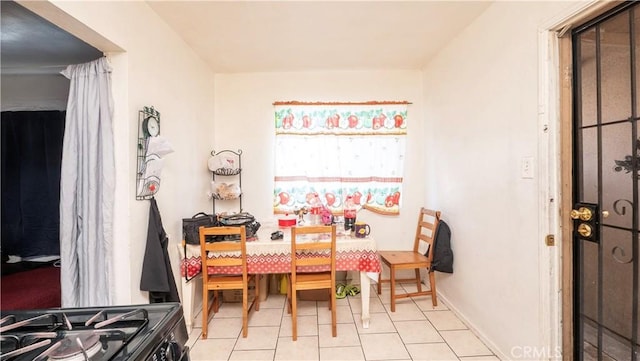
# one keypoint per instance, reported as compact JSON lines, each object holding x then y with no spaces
{"x":226,"y":170}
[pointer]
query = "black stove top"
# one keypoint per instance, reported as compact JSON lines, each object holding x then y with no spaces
{"x":139,"y":332}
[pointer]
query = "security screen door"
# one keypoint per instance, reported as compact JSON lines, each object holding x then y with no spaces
{"x":606,"y":69}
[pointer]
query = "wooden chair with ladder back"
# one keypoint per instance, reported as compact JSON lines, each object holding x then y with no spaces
{"x":413,"y":260}
{"x":315,"y":247}
{"x":231,"y":253}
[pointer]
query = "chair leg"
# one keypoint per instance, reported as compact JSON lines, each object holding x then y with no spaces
{"x":289,"y":295}
{"x":216,"y":301}
{"x":432,"y":285}
{"x":205,"y":312}
{"x":294,"y":314}
{"x":334,"y":329}
{"x":418,"y":281}
{"x":245,"y":301}
{"x":380,"y":281}
{"x":393,"y":288}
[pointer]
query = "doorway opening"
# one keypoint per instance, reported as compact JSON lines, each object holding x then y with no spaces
{"x":34,"y":99}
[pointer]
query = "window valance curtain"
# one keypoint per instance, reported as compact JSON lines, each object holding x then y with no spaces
{"x":339,"y":150}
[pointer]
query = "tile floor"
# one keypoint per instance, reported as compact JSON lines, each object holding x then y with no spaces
{"x":416,"y":331}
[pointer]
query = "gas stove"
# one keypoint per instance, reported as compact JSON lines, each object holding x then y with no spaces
{"x":141,"y":332}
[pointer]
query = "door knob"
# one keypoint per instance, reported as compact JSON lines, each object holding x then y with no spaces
{"x":585,"y":230}
{"x":587,"y":221}
{"x":582,"y":213}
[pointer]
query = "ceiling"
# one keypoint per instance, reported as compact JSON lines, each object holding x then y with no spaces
{"x":31,"y":45}
{"x":264,"y":36}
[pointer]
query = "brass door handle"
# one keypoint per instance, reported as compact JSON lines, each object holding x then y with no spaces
{"x":585,"y":230}
{"x":582,"y":213}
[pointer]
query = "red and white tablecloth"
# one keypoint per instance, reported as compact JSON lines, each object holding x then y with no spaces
{"x":267,"y":256}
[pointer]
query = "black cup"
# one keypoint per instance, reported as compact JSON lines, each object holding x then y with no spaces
{"x":349,"y":224}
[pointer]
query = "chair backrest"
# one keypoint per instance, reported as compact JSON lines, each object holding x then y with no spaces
{"x":313,"y":246}
{"x":226,"y":252}
{"x":426,"y":232}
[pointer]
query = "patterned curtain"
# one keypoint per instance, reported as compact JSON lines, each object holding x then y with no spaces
{"x":332,"y":151}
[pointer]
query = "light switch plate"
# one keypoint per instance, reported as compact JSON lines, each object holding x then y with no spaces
{"x":527,"y":168}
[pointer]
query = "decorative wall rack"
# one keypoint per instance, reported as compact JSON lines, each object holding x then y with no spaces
{"x":147,"y":181}
{"x":226,"y":167}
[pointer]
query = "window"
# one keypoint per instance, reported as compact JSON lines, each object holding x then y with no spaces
{"x":332,"y":151}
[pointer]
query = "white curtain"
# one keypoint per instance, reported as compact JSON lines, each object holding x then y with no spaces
{"x":339,"y":151}
{"x":87,"y":187}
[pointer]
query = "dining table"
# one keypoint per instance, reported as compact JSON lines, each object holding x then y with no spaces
{"x":267,"y":256}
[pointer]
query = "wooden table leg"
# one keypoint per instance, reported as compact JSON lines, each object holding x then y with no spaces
{"x":365,"y":290}
{"x":189,"y":300}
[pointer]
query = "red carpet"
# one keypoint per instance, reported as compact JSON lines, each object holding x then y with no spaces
{"x":34,"y":289}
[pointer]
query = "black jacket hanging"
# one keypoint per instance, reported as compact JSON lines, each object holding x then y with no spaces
{"x":157,"y":276}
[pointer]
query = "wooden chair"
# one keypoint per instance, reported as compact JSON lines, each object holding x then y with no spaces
{"x":402,"y":260}
{"x":318,"y":252}
{"x":227,"y":254}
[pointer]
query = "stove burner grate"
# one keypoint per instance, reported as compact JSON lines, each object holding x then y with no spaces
{"x":76,"y":348}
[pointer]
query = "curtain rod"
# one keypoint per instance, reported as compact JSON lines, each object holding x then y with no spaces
{"x":384,"y":102}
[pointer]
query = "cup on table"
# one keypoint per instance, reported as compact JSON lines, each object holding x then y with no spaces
{"x":361,"y":229}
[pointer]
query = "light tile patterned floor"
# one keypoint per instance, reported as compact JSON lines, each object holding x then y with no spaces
{"x":416,"y":331}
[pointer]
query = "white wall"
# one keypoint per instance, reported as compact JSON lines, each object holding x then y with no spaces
{"x":481,"y":101}
{"x":244,"y":119}
{"x":34,"y":92}
{"x":157,"y":69}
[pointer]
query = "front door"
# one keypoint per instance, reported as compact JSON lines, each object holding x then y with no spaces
{"x":606,"y":68}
